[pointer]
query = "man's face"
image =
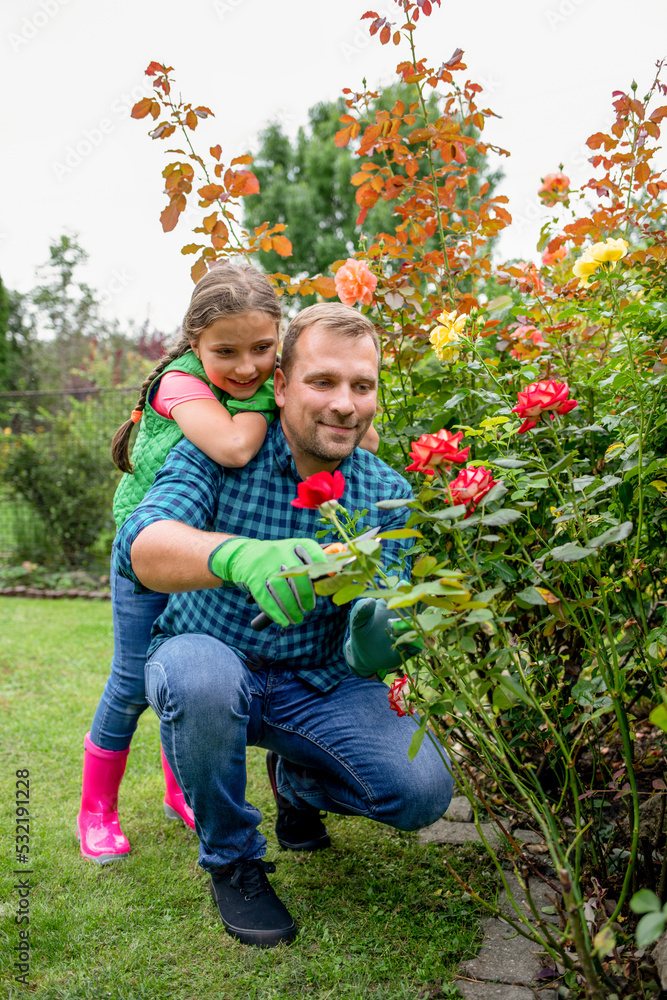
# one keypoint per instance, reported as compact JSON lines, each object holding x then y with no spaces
{"x":330,"y":400}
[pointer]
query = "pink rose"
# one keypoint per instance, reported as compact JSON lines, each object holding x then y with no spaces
{"x":355,"y":282}
{"x":319,"y":488}
{"x":548,"y":396}
{"x":550,"y":258}
{"x":470,"y":486}
{"x":554,"y":188}
{"x":434,"y":450}
{"x":398,"y":693}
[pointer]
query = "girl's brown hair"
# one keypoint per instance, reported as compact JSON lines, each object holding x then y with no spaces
{"x":227,"y":290}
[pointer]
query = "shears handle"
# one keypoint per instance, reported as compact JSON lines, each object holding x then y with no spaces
{"x":262,"y":620}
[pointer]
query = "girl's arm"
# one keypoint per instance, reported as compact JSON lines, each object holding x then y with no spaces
{"x":229,"y":441}
{"x":370,"y":441}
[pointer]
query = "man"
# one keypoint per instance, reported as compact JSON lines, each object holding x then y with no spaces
{"x":217,"y":686}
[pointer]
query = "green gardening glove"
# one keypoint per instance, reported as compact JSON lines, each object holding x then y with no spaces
{"x":263,"y":402}
{"x":373,"y":631}
{"x":253,"y":565}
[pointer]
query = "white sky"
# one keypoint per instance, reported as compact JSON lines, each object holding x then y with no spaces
{"x":70,"y":71}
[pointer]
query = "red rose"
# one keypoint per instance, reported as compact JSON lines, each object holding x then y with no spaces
{"x":398,"y":694}
{"x":318,"y":489}
{"x":470,"y":486}
{"x":548,"y":396}
{"x":435,"y":450}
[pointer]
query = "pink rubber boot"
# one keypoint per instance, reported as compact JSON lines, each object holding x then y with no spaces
{"x":175,"y":806}
{"x":98,"y":830}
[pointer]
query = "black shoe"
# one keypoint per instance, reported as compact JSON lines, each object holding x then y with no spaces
{"x":296,"y":829}
{"x":248,"y":905}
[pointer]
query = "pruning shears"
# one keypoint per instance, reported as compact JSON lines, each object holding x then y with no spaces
{"x":262,"y":620}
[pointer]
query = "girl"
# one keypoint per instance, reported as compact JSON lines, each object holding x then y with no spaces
{"x":215,"y":387}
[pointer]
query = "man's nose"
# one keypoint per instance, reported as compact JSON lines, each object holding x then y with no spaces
{"x":343,"y":400}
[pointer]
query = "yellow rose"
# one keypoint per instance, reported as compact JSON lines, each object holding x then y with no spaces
{"x":599,"y":255}
{"x":446,"y":336}
{"x":610,"y":250}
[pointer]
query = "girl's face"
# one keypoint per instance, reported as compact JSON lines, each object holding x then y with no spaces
{"x":239,"y":352}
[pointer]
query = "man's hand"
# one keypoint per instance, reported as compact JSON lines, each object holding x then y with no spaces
{"x":254,"y":565}
{"x":373,"y":631}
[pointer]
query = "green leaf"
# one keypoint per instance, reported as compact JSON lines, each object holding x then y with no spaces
{"x":366,"y":546}
{"x":504,"y":571}
{"x":400,"y":533}
{"x":511,"y":686}
{"x":393,"y":504}
{"x":495,"y":493}
{"x":645,"y":901}
{"x":530,"y":596}
{"x":480,"y":615}
{"x":467,"y":644}
{"x":570,"y":552}
{"x":424,"y":566}
{"x":508,"y":463}
{"x":501,"y":517}
{"x":659,"y":717}
{"x":347,"y":594}
{"x":604,"y":942}
{"x":615,"y":534}
{"x":449,"y":513}
{"x":500,"y":302}
{"x":417,"y":740}
{"x":581,"y":482}
{"x":650,"y":928}
{"x":625,"y":493}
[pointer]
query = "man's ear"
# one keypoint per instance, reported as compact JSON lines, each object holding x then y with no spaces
{"x":279,"y":386}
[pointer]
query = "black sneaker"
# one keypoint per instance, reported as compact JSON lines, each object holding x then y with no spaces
{"x":248,"y":905}
{"x":296,"y":829}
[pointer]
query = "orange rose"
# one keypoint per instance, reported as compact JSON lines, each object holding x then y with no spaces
{"x":355,"y":282}
{"x":549,"y":259}
{"x":554,"y":188}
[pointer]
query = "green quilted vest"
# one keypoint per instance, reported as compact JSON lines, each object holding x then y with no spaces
{"x":157,"y":436}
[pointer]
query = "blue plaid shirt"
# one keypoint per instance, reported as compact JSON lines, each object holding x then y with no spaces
{"x":254,"y":501}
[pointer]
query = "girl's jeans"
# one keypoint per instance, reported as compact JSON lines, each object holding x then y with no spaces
{"x":124,"y":697}
{"x":344,"y":751}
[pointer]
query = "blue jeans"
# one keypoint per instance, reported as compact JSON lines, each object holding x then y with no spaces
{"x":124,"y":697}
{"x":344,"y":751}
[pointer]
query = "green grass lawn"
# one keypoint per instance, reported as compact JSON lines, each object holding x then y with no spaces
{"x":379,"y":916}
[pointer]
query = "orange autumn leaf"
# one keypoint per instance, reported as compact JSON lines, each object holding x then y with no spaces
{"x":324,"y":286}
{"x":282,"y":246}
{"x":210,"y":191}
{"x":142,"y":108}
{"x":169,"y":217}
{"x":247,"y":158}
{"x":216,"y":151}
{"x":198,"y":270}
{"x":191,"y":120}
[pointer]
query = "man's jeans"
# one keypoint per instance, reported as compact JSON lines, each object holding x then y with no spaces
{"x":345,"y":751}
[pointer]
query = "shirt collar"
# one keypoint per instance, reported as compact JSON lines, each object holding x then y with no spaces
{"x":285,"y":460}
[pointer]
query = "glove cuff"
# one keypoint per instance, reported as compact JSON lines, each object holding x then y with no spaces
{"x":220,"y":559}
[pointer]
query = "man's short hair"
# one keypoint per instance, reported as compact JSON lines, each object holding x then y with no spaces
{"x":333,"y":317}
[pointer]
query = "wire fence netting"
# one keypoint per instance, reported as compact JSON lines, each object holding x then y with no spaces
{"x":55,"y":455}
